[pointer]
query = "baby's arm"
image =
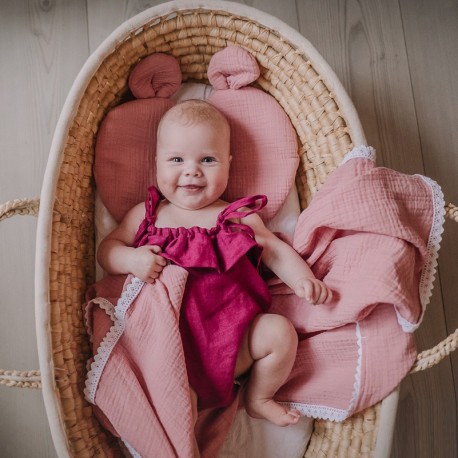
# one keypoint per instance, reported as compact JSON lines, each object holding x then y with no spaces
{"x":287,"y":264}
{"x":117,"y":256}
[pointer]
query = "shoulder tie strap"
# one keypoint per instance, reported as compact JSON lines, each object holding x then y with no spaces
{"x":151,"y":203}
{"x":252,"y":203}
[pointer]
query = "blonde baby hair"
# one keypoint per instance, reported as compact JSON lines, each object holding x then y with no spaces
{"x":195,"y":111}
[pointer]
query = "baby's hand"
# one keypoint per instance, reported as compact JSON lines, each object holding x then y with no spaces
{"x":146,"y":263}
{"x":314,"y":290}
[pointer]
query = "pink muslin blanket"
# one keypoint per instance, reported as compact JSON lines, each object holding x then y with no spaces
{"x":138,"y":379}
{"x":371,"y":233}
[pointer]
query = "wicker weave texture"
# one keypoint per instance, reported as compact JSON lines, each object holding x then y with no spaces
{"x":192,"y":37}
{"x":353,"y":438}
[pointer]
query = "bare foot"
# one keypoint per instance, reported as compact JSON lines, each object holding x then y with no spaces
{"x":270,"y":410}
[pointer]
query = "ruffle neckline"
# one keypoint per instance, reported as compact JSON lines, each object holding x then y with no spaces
{"x":217,"y":248}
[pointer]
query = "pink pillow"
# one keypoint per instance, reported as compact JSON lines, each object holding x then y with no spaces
{"x":263,"y":141}
{"x":126,"y":142}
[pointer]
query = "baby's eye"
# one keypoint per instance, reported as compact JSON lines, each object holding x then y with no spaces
{"x":208,"y":159}
{"x":176,"y":159}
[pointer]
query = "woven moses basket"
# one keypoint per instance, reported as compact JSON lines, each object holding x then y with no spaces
{"x":327,"y":127}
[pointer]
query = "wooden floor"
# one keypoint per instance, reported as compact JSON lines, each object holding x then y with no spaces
{"x":398,"y":60}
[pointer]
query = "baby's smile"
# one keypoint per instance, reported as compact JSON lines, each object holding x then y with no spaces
{"x":191,"y":187}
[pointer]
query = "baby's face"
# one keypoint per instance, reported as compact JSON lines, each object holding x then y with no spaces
{"x":192,"y":163}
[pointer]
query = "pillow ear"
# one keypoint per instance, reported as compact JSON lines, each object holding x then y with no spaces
{"x":232,"y":68}
{"x":157,"y":75}
{"x":125,"y":150}
{"x":263,"y":141}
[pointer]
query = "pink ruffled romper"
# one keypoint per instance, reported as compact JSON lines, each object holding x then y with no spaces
{"x":224,"y":291}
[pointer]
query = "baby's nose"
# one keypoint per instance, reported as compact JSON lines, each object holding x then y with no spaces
{"x":193,"y":170}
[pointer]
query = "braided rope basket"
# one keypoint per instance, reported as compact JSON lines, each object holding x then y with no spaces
{"x":327,"y":127}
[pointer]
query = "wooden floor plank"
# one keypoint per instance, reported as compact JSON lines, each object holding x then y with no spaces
{"x":431,"y":34}
{"x":363,"y":43}
{"x":42,"y":47}
{"x":284,"y":10}
{"x":105,"y":16}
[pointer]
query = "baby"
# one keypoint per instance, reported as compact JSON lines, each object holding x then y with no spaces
{"x":224,"y":329}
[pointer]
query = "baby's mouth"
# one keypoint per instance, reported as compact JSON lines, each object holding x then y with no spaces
{"x":191,"y":187}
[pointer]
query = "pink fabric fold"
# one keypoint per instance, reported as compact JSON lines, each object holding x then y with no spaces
{"x":371,"y":233}
{"x":157,"y":75}
{"x":232,"y":68}
{"x":144,"y":367}
{"x":142,"y":394}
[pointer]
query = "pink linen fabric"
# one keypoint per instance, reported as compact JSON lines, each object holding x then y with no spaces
{"x":126,"y":141}
{"x":224,"y":291}
{"x":232,"y":68}
{"x":261,"y":133}
{"x":263,"y":141}
{"x":143,"y":393}
{"x":351,"y":353}
{"x":378,"y":221}
{"x":157,"y":75}
{"x":372,"y":234}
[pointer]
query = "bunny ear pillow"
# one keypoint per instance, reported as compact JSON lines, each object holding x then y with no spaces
{"x":263,"y":141}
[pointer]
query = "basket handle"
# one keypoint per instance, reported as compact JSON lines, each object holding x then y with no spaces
{"x":19,"y":207}
{"x":32,"y":379}
{"x":431,"y":357}
{"x":18,"y":379}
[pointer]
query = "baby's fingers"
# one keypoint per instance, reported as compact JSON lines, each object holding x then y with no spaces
{"x":307,"y":290}
{"x":316,"y":292}
{"x":153,"y":276}
{"x":313,"y":292}
{"x":324,"y":295}
{"x":157,"y":251}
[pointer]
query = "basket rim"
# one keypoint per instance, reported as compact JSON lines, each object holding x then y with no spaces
{"x":48,"y":192}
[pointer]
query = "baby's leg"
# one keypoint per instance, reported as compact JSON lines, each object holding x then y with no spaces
{"x":272,"y":343}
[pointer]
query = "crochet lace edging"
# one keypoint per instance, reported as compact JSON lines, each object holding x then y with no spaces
{"x":331,"y":413}
{"x":360,"y":151}
{"x":433,"y":245}
{"x":434,"y":241}
{"x":428,"y":274}
{"x":319,"y":412}
{"x":357,"y":384}
{"x":104,"y":305}
{"x":111,"y":338}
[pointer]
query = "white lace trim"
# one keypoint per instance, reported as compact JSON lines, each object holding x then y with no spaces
{"x":428,"y":273}
{"x":435,"y":237}
{"x":111,"y":338}
{"x":434,"y":241}
{"x":357,"y":384}
{"x":331,"y":413}
{"x":315,"y":411}
{"x":360,"y":151}
{"x":132,"y":451}
{"x":105,"y":305}
{"x":406,"y":325}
